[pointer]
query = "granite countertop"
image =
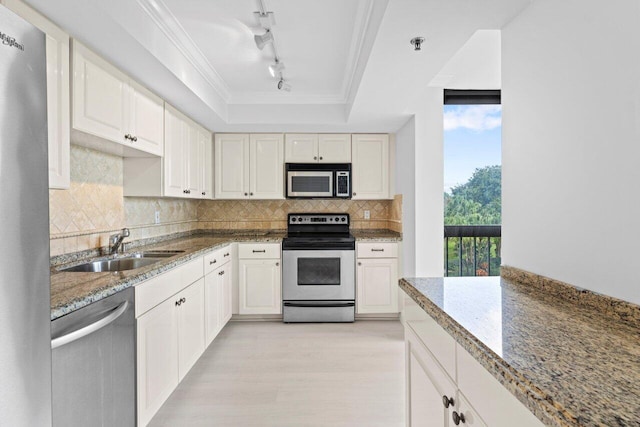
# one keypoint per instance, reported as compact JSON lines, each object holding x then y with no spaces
{"x":377,"y":235}
{"x":570,"y":365}
{"x":71,"y":291}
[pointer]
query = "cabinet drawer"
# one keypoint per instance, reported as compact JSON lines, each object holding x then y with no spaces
{"x":377,"y":250}
{"x":154,"y":291}
{"x":259,"y":250}
{"x":216,"y":259}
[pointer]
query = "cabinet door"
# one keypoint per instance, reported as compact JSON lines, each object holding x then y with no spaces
{"x":427,"y":385}
{"x":100,"y":96}
{"x":147,"y":120}
{"x":58,"y":120}
{"x":267,"y":166}
{"x":370,"y":163}
{"x":301,"y":148}
{"x":259,"y":286}
{"x":334,"y":148}
{"x":471,"y":417}
{"x":231,"y":166}
{"x":226,"y":298}
{"x":377,"y":285}
{"x":157,"y":358}
{"x":190,"y":326}
{"x":208,"y":164}
{"x":212,"y":292}
{"x":194,"y":161}
{"x":176,"y":134}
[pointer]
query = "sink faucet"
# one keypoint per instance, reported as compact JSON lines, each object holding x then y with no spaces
{"x":115,"y":240}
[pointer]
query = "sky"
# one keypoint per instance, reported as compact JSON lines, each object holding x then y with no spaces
{"x":472,"y":139}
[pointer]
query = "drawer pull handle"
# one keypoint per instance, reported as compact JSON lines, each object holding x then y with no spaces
{"x":447,"y":401}
{"x":458,"y":418}
{"x":377,"y":250}
{"x":260,"y":251}
{"x":212,"y":262}
{"x":221,"y":273}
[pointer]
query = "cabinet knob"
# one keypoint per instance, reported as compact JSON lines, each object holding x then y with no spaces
{"x":127,"y":136}
{"x":226,"y":255}
{"x":185,"y":191}
{"x":204,"y":193}
{"x":359,"y":263}
{"x":315,"y":157}
{"x":246,"y":194}
{"x":183,"y":299}
{"x":251,"y":194}
{"x":212,"y":262}
{"x":447,"y":401}
{"x":277,"y":264}
{"x":178,"y":303}
{"x":320,"y":157}
{"x":458,"y":418}
{"x":134,"y":139}
{"x":221,"y":273}
{"x":354,"y":193}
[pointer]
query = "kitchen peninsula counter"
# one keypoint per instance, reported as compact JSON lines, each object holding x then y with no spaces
{"x":568,"y":364}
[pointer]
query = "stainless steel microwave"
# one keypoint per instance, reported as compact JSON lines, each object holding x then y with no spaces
{"x":318,"y":180}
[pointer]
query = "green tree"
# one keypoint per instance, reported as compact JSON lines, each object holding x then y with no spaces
{"x":478,"y":201}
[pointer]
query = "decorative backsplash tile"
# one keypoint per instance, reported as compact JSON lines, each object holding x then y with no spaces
{"x":84,"y":216}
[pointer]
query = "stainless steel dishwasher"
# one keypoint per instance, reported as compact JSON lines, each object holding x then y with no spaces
{"x":93,"y":360}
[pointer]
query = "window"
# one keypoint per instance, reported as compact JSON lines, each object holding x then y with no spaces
{"x":472,"y":182}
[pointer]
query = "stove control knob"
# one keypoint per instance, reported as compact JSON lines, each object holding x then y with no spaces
{"x":293,"y":219}
{"x":337,"y":219}
{"x":344,"y":219}
{"x":299,"y":219}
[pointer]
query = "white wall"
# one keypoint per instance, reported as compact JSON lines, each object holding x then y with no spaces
{"x":571,"y":143}
{"x":420,"y":179}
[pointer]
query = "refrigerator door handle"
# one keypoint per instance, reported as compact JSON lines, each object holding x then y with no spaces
{"x":89,"y":329}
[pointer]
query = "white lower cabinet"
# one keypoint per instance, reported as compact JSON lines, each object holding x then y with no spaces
{"x":377,"y":278}
{"x":475,"y":398}
{"x":190,"y":308}
{"x":259,"y":283}
{"x":157,"y":358}
{"x":217,"y":295}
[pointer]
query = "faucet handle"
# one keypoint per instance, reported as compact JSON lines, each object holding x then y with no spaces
{"x":125,"y":232}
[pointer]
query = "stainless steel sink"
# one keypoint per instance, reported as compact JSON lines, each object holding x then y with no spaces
{"x":130,"y":262}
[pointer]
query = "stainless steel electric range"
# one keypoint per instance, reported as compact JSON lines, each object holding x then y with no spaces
{"x":318,"y":269}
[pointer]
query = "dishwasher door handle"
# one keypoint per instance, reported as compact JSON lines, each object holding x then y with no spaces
{"x":89,"y":329}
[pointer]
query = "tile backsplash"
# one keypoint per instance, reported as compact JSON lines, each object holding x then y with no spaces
{"x":94,"y":207}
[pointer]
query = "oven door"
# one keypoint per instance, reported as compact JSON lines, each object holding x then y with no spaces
{"x":309,"y":275}
{"x":309,"y":183}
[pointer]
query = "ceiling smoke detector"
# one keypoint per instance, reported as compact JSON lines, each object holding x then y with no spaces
{"x":417,"y":42}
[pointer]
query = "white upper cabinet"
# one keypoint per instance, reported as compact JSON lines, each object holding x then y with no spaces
{"x":58,"y":117}
{"x":185,"y":170}
{"x":314,"y":148}
{"x":370,"y":166}
{"x":249,"y":166}
{"x":266,"y":177}
{"x":334,"y":148}
{"x":109,"y":105}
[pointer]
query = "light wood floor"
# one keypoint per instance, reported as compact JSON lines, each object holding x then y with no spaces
{"x":275,"y":374}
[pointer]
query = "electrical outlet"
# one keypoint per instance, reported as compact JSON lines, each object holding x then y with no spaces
{"x":367,"y":214}
{"x":157,"y":217}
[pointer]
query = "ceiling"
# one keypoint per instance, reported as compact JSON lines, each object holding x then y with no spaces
{"x":349,"y":62}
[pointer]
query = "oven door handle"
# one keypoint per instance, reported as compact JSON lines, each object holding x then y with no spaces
{"x":332,"y":304}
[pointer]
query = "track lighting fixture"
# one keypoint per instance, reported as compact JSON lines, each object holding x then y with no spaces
{"x":266,"y":19}
{"x":264,"y":39}
{"x":282,"y":85}
{"x":276,"y":68}
{"x":417,"y":42}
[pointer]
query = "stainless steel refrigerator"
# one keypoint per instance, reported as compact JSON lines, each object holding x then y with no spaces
{"x":25,"y":337}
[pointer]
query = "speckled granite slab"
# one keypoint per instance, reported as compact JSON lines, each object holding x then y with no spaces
{"x":569,"y":364}
{"x":72,"y":290}
{"x":377,"y":235}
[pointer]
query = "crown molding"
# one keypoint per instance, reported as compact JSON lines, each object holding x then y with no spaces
{"x":171,"y":27}
{"x":360,"y":28}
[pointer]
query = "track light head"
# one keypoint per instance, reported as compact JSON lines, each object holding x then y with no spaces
{"x":282,"y":85}
{"x":417,"y":42}
{"x":266,"y":19}
{"x":276,"y":68}
{"x":263,"y":40}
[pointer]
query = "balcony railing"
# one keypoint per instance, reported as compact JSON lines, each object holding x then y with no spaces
{"x":472,"y":250}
